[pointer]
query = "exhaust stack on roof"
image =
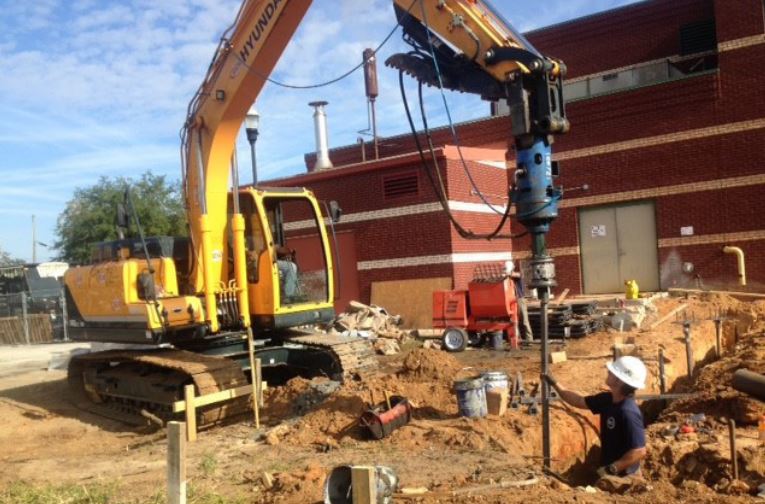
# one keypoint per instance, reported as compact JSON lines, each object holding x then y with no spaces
{"x":322,"y":139}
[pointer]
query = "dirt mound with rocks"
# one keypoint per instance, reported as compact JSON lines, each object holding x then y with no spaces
{"x":430,"y":364}
{"x":715,"y":395}
{"x":703,"y":456}
{"x":426,"y":379}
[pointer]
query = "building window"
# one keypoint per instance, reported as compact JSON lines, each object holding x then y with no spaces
{"x":398,"y":186}
{"x":698,"y":37}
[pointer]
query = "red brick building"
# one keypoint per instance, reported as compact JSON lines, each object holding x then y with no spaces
{"x":668,"y":130}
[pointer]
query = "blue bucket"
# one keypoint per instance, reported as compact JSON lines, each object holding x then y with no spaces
{"x":471,"y":397}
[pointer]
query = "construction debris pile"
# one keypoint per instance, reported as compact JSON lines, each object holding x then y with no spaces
{"x":371,"y":322}
{"x":627,"y":314}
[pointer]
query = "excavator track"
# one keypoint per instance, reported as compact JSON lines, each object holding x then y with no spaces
{"x":355,"y":356}
{"x":138,"y":387}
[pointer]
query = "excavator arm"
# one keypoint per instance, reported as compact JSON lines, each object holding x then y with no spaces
{"x":247,"y":54}
{"x":465,"y":45}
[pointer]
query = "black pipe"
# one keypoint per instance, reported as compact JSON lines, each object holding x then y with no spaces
{"x":750,"y":383}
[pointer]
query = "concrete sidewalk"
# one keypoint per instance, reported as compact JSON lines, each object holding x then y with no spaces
{"x":17,"y":359}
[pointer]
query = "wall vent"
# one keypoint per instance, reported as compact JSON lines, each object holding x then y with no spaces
{"x":397,"y":186}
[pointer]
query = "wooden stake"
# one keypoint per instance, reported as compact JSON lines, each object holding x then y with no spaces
{"x":191,"y":413}
{"x":364,"y":484}
{"x":176,"y":463}
{"x":254,"y":377}
{"x":261,"y":387}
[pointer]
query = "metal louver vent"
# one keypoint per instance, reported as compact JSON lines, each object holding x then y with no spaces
{"x":401,"y":185}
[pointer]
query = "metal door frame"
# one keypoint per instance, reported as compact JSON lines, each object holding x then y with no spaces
{"x":579,"y":209}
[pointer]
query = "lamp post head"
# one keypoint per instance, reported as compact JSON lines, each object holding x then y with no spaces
{"x":252,"y":123}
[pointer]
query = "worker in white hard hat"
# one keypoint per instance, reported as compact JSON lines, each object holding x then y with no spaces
{"x":622,"y":433}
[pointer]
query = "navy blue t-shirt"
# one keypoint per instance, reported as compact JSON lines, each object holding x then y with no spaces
{"x":621,"y":427}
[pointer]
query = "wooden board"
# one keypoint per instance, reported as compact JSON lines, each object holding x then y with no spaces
{"x":681,"y":292}
{"x":364,"y":484}
{"x":12,"y":330}
{"x":176,"y":463}
{"x":412,"y":299}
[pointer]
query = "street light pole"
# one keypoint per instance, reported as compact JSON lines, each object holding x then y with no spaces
{"x":34,"y":239}
{"x":251,"y":124}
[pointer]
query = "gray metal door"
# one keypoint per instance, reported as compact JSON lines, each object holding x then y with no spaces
{"x":618,"y":243}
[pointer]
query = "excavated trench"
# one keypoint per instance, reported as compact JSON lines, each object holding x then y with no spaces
{"x":709,"y":466}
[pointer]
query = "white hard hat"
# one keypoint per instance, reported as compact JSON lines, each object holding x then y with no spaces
{"x":629,"y":370}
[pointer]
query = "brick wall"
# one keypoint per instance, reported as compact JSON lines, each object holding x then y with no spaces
{"x":738,"y":18}
{"x":644,"y":31}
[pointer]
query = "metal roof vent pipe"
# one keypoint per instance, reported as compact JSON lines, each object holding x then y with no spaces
{"x":322,"y":139}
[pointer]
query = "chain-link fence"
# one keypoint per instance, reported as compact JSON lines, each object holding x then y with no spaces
{"x":29,"y":319}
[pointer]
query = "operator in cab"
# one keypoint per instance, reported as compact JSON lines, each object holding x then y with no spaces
{"x":622,"y":434}
{"x":288,"y":274}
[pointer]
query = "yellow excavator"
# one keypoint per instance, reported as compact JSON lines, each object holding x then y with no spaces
{"x":191,"y":302}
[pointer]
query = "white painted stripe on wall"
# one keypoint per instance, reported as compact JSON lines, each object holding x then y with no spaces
{"x":456,"y":258}
{"x":386,"y":213}
{"x":663,"y":191}
{"x":464,"y":206}
{"x":730,"y":45}
{"x":480,"y":208}
{"x":708,"y":239}
{"x":679,"y":241}
{"x":652,"y":141}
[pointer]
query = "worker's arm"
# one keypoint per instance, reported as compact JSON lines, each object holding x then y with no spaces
{"x":575,"y":399}
{"x":630,"y":458}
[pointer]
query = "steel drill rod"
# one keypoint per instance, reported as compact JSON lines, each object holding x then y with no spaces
{"x":662,"y":375}
{"x":718,"y":337}
{"x":545,"y":385}
{"x":733,"y":457}
{"x":688,"y":348}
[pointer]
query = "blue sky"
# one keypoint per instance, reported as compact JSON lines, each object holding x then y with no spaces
{"x":91,"y":88}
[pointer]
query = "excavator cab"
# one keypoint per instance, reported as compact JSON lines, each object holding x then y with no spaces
{"x":288,"y":260}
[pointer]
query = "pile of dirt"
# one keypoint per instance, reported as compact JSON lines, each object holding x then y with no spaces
{"x":426,"y":379}
{"x":297,"y":397}
{"x":703,"y":457}
{"x":301,"y":486}
{"x":715,"y":395}
{"x":430,"y":364}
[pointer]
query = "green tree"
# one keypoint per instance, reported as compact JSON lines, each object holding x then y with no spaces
{"x":89,"y":217}
{"x":7,"y":260}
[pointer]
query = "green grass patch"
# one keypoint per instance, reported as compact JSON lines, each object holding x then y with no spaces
{"x":208,"y":465}
{"x":100,"y":493}
{"x":24,"y":493}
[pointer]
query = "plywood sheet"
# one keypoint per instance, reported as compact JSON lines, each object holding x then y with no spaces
{"x":412,"y":299}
